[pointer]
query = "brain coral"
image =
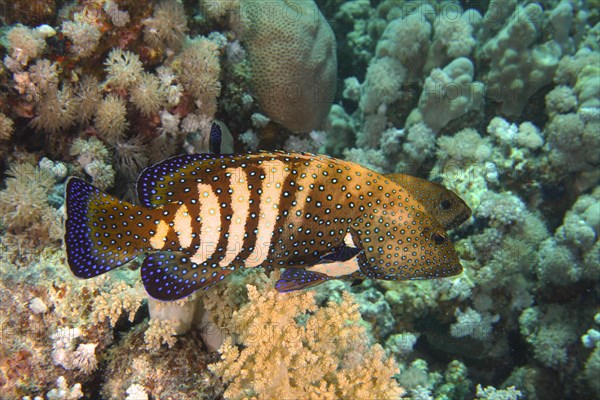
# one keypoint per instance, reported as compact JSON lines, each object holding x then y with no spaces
{"x":291,"y":49}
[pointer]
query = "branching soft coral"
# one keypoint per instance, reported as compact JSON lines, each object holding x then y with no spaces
{"x":111,"y":304}
{"x":6,"y":127}
{"x":198,"y":69}
{"x":24,"y":201}
{"x":111,"y":119}
{"x":293,"y":349}
{"x":167,"y":26}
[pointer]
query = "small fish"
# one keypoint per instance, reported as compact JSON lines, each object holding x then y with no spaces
{"x":204,"y":216}
{"x":215,"y":138}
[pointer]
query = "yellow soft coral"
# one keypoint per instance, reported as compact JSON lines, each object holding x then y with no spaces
{"x":198,"y":69}
{"x":290,"y":348}
{"x":111,"y":304}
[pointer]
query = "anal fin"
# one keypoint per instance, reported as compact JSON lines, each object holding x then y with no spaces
{"x":171,"y":276}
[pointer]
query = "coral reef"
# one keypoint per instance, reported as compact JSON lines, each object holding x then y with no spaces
{"x":497,"y":100}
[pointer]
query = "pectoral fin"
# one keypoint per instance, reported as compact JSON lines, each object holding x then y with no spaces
{"x":342,"y":253}
{"x":297,"y":278}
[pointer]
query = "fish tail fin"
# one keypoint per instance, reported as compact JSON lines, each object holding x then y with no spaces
{"x":101,"y":232}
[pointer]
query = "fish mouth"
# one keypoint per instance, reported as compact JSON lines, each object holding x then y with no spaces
{"x":459,"y":219}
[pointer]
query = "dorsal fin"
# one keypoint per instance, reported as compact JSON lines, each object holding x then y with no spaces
{"x":163,"y":183}
{"x":157,"y":181}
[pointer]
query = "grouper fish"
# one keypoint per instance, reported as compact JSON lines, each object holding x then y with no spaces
{"x":205,"y":216}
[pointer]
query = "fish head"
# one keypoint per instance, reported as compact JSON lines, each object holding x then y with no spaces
{"x":444,"y":205}
{"x":403,"y":241}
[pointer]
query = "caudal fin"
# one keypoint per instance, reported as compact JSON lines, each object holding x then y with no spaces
{"x":101,"y":232}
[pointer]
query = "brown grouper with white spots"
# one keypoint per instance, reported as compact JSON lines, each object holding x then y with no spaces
{"x":205,"y":216}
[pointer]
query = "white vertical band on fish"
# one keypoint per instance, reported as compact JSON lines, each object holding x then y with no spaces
{"x":210,"y":218}
{"x":183,"y":227}
{"x":275,"y":175}
{"x":240,"y":205}
{"x":158,"y":240}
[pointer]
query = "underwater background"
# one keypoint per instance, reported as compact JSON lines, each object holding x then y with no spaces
{"x":498,"y":100}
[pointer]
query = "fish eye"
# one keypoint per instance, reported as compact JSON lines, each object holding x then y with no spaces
{"x":438,"y":238}
{"x":446,"y":204}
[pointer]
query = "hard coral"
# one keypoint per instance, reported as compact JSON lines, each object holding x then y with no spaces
{"x":292,"y":56}
{"x":160,"y":332}
{"x":519,"y":65}
{"x":407,"y":39}
{"x":449,"y":93}
{"x":64,"y":392}
{"x":165,"y":373}
{"x":382,"y":84}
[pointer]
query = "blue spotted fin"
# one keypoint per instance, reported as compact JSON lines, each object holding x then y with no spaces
{"x":172,"y":275}
{"x":164,"y":182}
{"x":297,"y":278}
{"x":101,"y":232}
